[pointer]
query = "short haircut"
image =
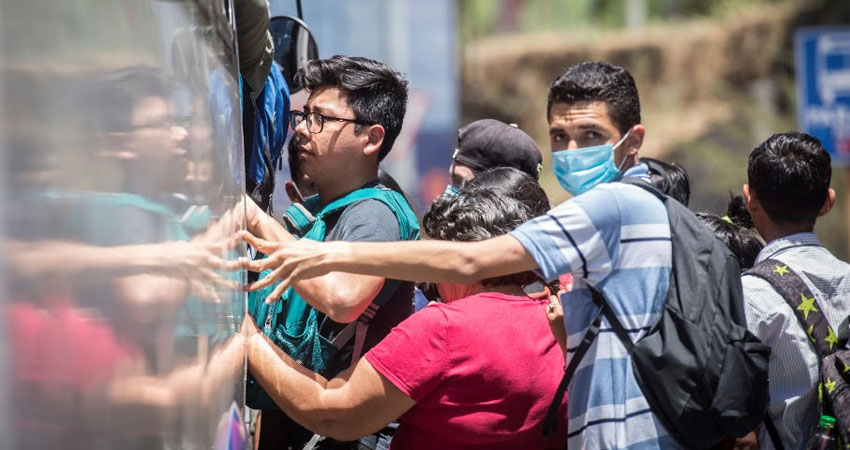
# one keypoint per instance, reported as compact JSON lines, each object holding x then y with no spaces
{"x":735,"y":229}
{"x":603,"y":82}
{"x":670,"y":178}
{"x":376,"y":93}
{"x":790,"y":175}
{"x":481,"y":212}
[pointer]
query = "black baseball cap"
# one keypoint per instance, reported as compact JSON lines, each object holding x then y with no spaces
{"x":487,"y":143}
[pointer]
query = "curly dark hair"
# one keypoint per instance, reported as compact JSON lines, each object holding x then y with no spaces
{"x":494,"y":203}
{"x":375,"y":92}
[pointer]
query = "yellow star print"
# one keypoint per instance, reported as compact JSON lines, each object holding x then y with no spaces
{"x":807,"y":306}
{"x":809,"y":331}
{"x":831,"y":338}
{"x":780,"y":270}
{"x":846,"y":367}
{"x":830,"y":386}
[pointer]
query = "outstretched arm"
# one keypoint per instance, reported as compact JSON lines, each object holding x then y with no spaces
{"x":341,"y":296}
{"x":358,"y":402}
{"x":430,"y":260}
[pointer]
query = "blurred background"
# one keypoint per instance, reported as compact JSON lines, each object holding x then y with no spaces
{"x":716,"y":77}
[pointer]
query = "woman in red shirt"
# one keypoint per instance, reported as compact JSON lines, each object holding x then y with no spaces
{"x":477,"y":371}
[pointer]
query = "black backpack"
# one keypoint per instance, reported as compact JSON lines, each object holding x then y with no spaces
{"x":702,"y":372}
{"x":834,"y":385}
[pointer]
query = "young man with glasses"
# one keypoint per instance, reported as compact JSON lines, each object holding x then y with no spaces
{"x":348,"y":125}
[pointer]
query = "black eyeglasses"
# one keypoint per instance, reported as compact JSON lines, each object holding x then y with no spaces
{"x":316,"y":121}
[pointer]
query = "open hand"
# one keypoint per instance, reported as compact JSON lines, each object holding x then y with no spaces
{"x":289,"y":262}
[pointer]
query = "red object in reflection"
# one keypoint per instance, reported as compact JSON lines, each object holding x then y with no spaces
{"x":62,"y":344}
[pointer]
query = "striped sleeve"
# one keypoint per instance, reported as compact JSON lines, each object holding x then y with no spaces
{"x":568,"y":238}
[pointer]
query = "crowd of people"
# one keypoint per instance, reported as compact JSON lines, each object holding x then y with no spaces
{"x":352,"y":354}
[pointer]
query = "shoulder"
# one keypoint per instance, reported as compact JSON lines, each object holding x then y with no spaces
{"x":763,"y":305}
{"x":367,"y":206}
{"x":616,"y":203}
{"x":759,"y":292}
{"x":367,"y":220}
{"x":635,"y":205}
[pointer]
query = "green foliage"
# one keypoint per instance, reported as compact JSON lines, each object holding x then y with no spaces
{"x":479,"y":18}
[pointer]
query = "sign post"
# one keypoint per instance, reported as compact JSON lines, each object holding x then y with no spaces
{"x":822,"y":59}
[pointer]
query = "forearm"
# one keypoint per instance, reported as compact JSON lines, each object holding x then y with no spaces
{"x":60,"y":258}
{"x":296,"y":390}
{"x":432,"y":260}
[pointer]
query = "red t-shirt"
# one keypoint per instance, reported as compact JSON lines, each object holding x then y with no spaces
{"x":482,"y":370}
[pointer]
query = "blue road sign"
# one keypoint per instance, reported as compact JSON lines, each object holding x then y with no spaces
{"x":823,"y":88}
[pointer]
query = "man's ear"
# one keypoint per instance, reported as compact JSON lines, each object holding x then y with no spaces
{"x":750,"y":199}
{"x":374,"y":139}
{"x":635,"y":140}
{"x":828,"y":203}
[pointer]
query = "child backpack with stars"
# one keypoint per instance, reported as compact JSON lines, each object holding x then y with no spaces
{"x":831,"y":347}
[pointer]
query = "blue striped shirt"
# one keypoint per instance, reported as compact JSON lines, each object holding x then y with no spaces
{"x":615,"y":237}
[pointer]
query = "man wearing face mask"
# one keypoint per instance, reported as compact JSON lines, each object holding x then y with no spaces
{"x":612,"y":236}
{"x":487,"y":144}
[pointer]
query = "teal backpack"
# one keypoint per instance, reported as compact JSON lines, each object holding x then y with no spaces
{"x":291,"y":323}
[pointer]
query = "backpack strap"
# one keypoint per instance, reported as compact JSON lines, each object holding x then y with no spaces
{"x":298,"y":219}
{"x":794,"y":291}
{"x":772,"y":432}
{"x":407,"y":222}
{"x":637,"y":181}
{"x":550,"y":422}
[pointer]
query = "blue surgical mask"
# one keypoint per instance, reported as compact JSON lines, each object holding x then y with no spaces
{"x":451,"y":191}
{"x":580,"y":170}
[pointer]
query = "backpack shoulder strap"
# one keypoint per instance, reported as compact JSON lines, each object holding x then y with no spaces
{"x":408,"y":229}
{"x":635,"y":181}
{"x":298,"y":219}
{"x":408,"y":225}
{"x":794,"y":291}
{"x":550,"y":422}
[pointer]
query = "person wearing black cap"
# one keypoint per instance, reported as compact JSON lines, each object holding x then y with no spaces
{"x":487,"y":144}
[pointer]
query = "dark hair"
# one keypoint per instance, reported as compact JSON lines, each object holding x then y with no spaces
{"x":376,"y":93}
{"x":484,"y":209}
{"x":514,"y":183}
{"x":599,"y":81}
{"x":790,"y":174}
{"x":735,"y":229}
{"x":670,"y":178}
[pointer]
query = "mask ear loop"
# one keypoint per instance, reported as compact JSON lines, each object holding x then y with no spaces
{"x":454,"y":157}
{"x":623,"y":139}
